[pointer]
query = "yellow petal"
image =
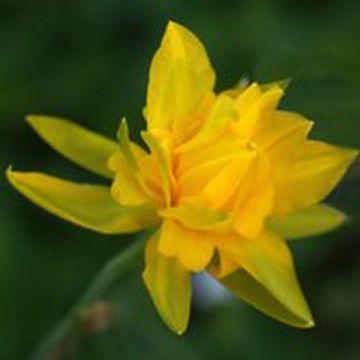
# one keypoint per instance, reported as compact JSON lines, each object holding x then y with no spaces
{"x":284,"y":131}
{"x":223,"y":186}
{"x":221,"y":114}
{"x":193,"y":249}
{"x":268,"y":261}
{"x":84,"y":147}
{"x":180,"y":78}
{"x":254,"y":106}
{"x":254,"y":199}
{"x":160,"y":144}
{"x":90,"y":206}
{"x":223,"y":160}
{"x":281,"y":136}
{"x":315,"y":172}
{"x":248,"y":289}
{"x":197,"y":218}
{"x":126,"y":188}
{"x":131,"y":151}
{"x":169,"y":285}
{"x":311,"y":221}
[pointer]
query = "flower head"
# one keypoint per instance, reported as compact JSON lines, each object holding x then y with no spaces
{"x":224,"y":179}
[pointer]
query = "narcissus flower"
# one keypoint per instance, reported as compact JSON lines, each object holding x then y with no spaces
{"x":224,"y":179}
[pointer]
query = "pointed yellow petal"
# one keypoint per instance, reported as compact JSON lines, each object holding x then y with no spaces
{"x":84,"y":147}
{"x":311,"y":221}
{"x":248,"y":289}
{"x":284,"y":131}
{"x":193,"y":249}
{"x":315,"y":172}
{"x":283,"y":84}
{"x":269,"y":262}
{"x":90,"y":206}
{"x":169,"y":285}
{"x":160,"y":145}
{"x":127,"y":188}
{"x":131,"y":151}
{"x":180,"y":78}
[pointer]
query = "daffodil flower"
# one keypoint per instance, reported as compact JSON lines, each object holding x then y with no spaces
{"x":225,"y":179}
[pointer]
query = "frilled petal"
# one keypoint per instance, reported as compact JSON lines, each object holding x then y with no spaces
{"x":210,"y":174}
{"x":221,"y":114}
{"x":169,"y":285}
{"x":315,"y":171}
{"x":254,"y":106}
{"x":85,"y":148}
{"x":193,"y":249}
{"x":268,"y":261}
{"x":180,"y":78}
{"x":311,"y":221}
{"x":198,"y":218}
{"x":222,"y":187}
{"x":90,"y":206}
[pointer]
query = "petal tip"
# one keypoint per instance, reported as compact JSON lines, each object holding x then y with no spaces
{"x":308,"y":324}
{"x":173,"y":25}
{"x":9,"y":173}
{"x":180,"y":332}
{"x":33,"y":119}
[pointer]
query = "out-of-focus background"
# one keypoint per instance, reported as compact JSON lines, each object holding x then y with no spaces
{"x":87,"y":60}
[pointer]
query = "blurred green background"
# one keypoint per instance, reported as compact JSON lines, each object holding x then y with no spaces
{"x":87,"y":60}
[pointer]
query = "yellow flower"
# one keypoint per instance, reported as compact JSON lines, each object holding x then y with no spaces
{"x":225,"y":178}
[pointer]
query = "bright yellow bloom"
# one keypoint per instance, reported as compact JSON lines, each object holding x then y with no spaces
{"x":225,"y":178}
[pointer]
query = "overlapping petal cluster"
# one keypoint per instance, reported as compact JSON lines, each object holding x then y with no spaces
{"x":223,"y":180}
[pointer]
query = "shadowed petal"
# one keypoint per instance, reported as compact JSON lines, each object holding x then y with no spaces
{"x":244,"y":286}
{"x":270,"y":282}
{"x":169,"y":285}
{"x":311,"y":221}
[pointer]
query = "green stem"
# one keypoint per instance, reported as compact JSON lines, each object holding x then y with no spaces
{"x":113,"y":271}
